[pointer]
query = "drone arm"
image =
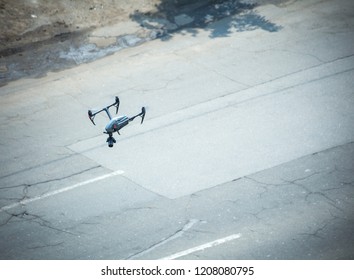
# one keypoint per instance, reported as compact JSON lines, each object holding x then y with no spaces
{"x":92,"y":115}
{"x":142,"y":115}
{"x":116,"y":104}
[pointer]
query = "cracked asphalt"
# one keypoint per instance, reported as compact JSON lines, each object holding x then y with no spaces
{"x":249,"y":131}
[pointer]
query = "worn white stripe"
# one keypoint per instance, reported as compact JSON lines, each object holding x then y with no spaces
{"x":36,"y":198}
{"x":203,"y":247}
{"x":178,"y":234}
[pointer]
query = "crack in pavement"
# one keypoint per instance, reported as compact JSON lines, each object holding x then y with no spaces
{"x":51,"y":180}
{"x":96,"y":220}
{"x":349,"y":184}
{"x":25,"y":216}
{"x":44,"y":223}
{"x":296,"y":183}
{"x":318,"y":230}
{"x":26,"y":187}
{"x":45,"y":246}
{"x":309,"y":193}
{"x":37,"y":166}
{"x":173,"y":236}
{"x":297,"y":52}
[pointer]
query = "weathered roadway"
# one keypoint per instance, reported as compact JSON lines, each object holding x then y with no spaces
{"x":248,"y":141}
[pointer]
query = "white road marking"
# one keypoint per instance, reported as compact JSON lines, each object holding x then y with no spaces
{"x":203,"y":247}
{"x":186,"y":227}
{"x":33,"y":199}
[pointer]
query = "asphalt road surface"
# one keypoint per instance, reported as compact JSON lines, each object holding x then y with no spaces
{"x":246,"y":152}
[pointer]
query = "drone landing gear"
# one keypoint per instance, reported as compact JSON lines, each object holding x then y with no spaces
{"x":111,"y":140}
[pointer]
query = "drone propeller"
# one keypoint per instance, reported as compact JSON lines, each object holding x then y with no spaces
{"x":91,"y":116}
{"x":117,"y":104}
{"x":143,"y":111}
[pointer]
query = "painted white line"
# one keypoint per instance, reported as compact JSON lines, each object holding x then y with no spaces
{"x":186,"y":227}
{"x":33,"y":199}
{"x":203,"y":247}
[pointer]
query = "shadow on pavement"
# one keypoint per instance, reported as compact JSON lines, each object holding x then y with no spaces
{"x":63,"y":52}
{"x":192,"y":17}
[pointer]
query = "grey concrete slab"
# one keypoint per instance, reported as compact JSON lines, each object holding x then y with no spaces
{"x":302,"y":209}
{"x":214,"y":148}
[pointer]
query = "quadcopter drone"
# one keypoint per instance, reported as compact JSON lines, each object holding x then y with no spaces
{"x":117,"y":123}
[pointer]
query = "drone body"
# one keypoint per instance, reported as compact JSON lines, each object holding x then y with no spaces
{"x":117,"y":123}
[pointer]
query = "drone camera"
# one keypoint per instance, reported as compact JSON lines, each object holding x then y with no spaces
{"x":110,"y":141}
